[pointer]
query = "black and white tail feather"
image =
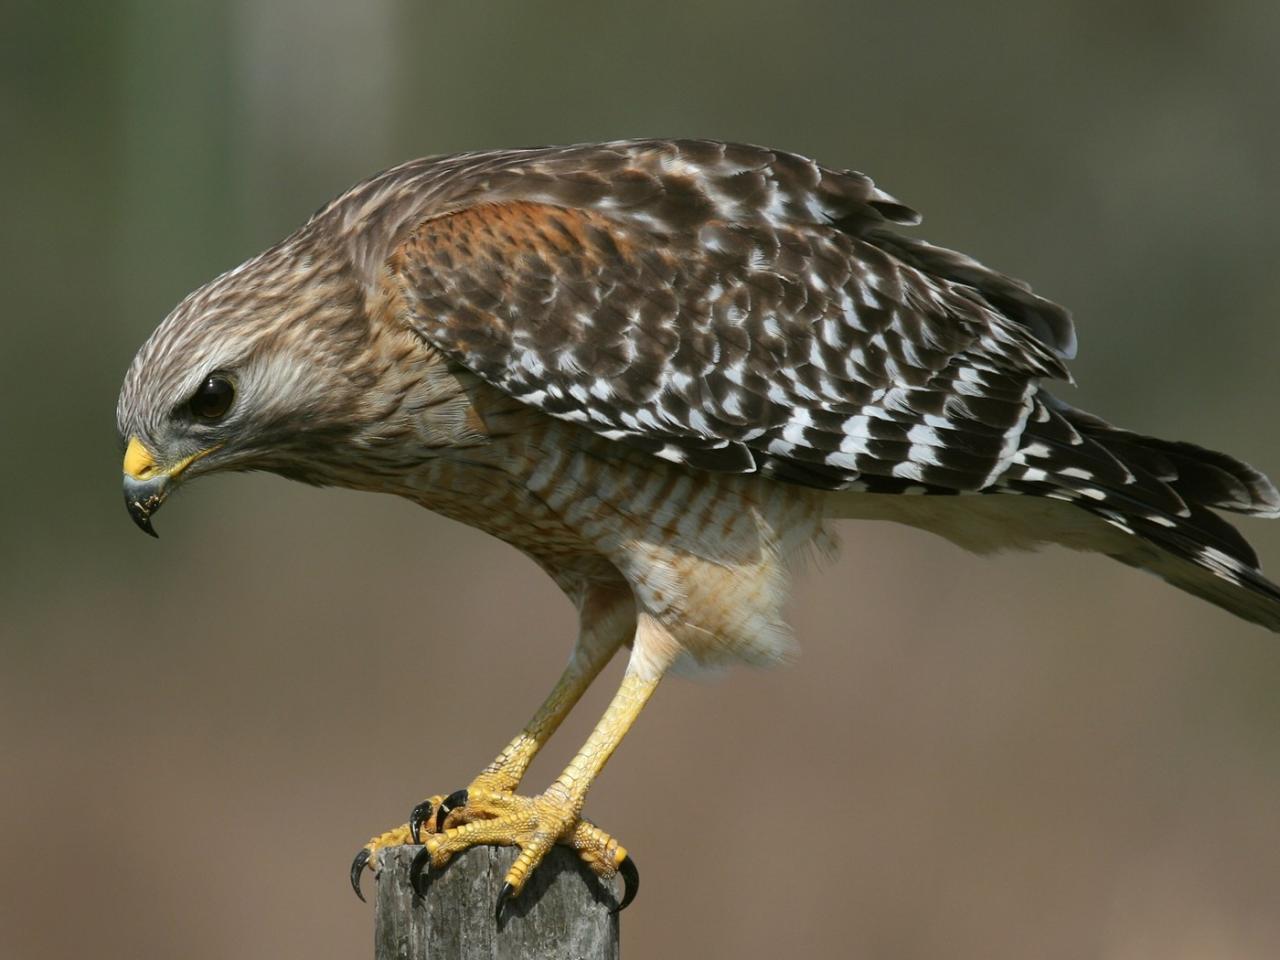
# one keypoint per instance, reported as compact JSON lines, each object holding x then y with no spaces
{"x":1162,"y":494}
{"x":1151,"y":502}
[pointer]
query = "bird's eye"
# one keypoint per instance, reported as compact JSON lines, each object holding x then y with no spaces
{"x":212,"y":399}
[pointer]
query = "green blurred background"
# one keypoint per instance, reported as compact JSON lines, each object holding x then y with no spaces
{"x":1051,"y":758}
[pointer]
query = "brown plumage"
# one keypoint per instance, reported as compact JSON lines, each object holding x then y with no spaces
{"x":660,"y":368}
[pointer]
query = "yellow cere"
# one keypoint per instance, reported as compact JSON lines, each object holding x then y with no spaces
{"x":140,"y":464}
{"x":138,"y":461}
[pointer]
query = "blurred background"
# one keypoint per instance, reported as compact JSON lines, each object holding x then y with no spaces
{"x":1049,"y":757}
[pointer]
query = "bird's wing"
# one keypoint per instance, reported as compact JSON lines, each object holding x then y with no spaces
{"x":729,"y":307}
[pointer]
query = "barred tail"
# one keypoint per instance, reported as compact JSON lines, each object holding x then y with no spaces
{"x":1162,"y":494}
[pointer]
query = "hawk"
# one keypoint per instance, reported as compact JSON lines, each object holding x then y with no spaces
{"x":660,"y":369}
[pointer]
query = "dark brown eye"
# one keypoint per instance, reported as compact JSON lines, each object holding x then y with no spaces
{"x":212,"y":399}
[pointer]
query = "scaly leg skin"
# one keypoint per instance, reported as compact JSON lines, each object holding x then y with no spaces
{"x":535,"y":824}
{"x":606,"y":623}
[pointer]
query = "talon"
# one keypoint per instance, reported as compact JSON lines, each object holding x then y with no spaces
{"x":454,"y":800}
{"x":419,"y":815}
{"x":357,"y":868}
{"x":418,"y":871}
{"x":630,"y":882}
{"x":508,"y":891}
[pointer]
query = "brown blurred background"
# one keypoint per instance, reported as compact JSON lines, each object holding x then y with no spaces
{"x":1053,"y":757}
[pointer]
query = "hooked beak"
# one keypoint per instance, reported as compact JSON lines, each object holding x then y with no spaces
{"x":146,"y":483}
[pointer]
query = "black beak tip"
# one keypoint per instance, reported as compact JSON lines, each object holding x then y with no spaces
{"x":142,"y":500}
{"x":141,"y":516}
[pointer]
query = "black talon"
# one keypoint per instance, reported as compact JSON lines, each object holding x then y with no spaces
{"x":418,"y":871}
{"x":357,"y":868}
{"x":507,"y":891}
{"x":454,"y":800}
{"x":417,"y":817}
{"x":630,"y":882}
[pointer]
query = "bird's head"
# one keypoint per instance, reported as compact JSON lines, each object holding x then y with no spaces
{"x":268,"y":367}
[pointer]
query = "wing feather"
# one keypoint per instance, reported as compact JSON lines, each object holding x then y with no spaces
{"x":725,"y":306}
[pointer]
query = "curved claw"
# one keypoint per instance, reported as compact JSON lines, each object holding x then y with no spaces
{"x":357,"y":868}
{"x":454,"y":800}
{"x":630,"y":882}
{"x":508,"y":891}
{"x":418,"y":872}
{"x":417,"y":817}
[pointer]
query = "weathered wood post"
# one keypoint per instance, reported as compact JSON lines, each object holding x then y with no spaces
{"x":564,"y":913}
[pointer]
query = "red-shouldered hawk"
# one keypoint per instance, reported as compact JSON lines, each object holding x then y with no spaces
{"x":659,"y":368}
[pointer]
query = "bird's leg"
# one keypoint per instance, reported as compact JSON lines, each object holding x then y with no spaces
{"x":504,"y":774}
{"x":606,"y":621}
{"x":535,"y":824}
{"x":508,"y":768}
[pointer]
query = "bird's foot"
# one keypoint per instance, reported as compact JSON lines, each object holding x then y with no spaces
{"x":472,"y":817}
{"x":421,"y":818}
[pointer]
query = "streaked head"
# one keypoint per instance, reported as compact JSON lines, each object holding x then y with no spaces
{"x":264,"y":368}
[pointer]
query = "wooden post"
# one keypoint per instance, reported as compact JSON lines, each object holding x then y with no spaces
{"x":564,"y":913}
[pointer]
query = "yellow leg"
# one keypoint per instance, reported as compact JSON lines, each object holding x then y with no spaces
{"x":606,"y":617}
{"x":535,"y":824}
{"x":508,"y":768}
